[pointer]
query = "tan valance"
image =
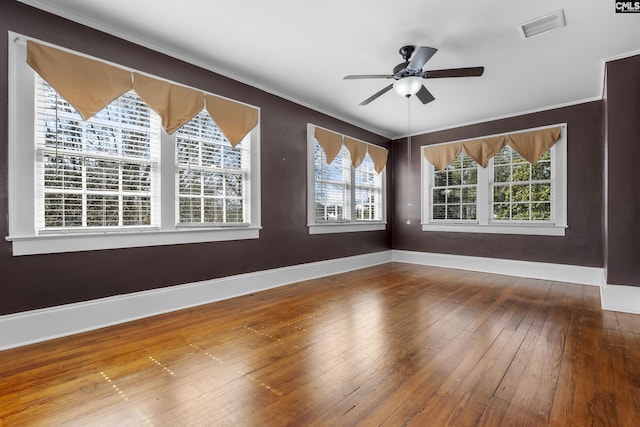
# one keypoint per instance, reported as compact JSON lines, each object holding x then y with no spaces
{"x":532,"y":145}
{"x":90,"y":85}
{"x":175,"y":104}
{"x":378,"y":155}
{"x":330,"y":142}
{"x":358,"y":150}
{"x":234,"y":119}
{"x":482,"y":150}
{"x":87,"y":84}
{"x":441,"y":155}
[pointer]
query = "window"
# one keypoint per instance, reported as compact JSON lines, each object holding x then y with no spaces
{"x":343,"y":198}
{"x":454,"y":191}
{"x":117,"y":179}
{"x":95,"y":174}
{"x":213,"y":176}
{"x":511,"y":195}
{"x":521,"y":191}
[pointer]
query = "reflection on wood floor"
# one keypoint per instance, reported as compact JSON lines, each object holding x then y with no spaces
{"x":395,"y":344}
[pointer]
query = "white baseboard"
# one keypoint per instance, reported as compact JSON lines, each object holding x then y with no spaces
{"x":620,"y":298}
{"x":40,"y":325}
{"x":533,"y":270}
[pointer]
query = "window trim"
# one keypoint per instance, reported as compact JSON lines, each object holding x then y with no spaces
{"x":345,"y":226}
{"x":483,"y":224}
{"x":26,"y":239}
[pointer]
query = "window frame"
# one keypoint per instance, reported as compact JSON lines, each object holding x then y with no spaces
{"x":22,"y":168}
{"x":342,"y":226}
{"x":483,"y":222}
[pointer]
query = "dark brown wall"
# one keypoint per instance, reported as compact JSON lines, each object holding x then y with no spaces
{"x":582,"y":244}
{"x":623,"y":158}
{"x":31,"y":282}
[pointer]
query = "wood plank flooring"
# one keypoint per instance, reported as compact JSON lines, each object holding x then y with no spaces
{"x":391,"y":345}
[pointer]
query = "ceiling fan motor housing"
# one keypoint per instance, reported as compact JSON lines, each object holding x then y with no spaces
{"x":400,"y":70}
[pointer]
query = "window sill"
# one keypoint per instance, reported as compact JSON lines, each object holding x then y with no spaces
{"x":346,"y":227}
{"x":524,"y":229}
{"x":75,"y":242}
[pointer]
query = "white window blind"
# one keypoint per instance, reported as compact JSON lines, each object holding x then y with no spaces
{"x":101,"y":173}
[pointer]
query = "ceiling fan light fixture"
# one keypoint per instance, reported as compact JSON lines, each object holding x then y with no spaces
{"x":408,"y":86}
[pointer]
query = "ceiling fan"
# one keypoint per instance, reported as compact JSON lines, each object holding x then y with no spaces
{"x":408,"y":75}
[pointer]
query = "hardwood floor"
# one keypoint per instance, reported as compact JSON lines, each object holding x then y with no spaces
{"x":391,"y":345}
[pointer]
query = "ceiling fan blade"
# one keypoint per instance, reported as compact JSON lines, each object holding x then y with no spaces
{"x":424,"y":95}
{"x":421,"y":57}
{"x":377,"y":94}
{"x":454,"y":72}
{"x":368,"y":76}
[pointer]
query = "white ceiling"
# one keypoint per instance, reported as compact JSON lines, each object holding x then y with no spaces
{"x":301,"y":50}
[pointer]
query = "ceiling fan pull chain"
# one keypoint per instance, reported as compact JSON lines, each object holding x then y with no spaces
{"x":409,"y":203}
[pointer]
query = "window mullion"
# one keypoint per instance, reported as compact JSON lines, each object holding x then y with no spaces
{"x":169,"y":180}
{"x":483,"y":198}
{"x":352,"y":193}
{"x":120,"y":195}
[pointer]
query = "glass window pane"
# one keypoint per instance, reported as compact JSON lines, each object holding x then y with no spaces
{"x":102,"y":210}
{"x":453,"y":212}
{"x":469,"y":212}
{"x":541,"y":192}
{"x":541,"y":171}
{"x":439,"y":212}
{"x":136,"y":210}
{"x":502,"y":211}
{"x":214,"y":210}
{"x":501,"y":193}
{"x":454,"y":177}
{"x":520,"y":211}
{"x":234,"y":211}
{"x":453,"y":195}
{"x":136,"y":177}
{"x":189,"y":181}
{"x":439,"y":195}
{"x":520,"y":193}
{"x":213,"y":183}
{"x":503,"y":156}
{"x":189,"y":209}
{"x":522,"y":172}
{"x":541,"y":211}
{"x":102,"y":174}
{"x":502,"y":174}
{"x":468,"y":195}
{"x":470,"y":176}
{"x":53,"y":211}
{"x":233,"y":184}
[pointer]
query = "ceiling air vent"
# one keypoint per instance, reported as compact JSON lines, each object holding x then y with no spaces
{"x":543,"y":24}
